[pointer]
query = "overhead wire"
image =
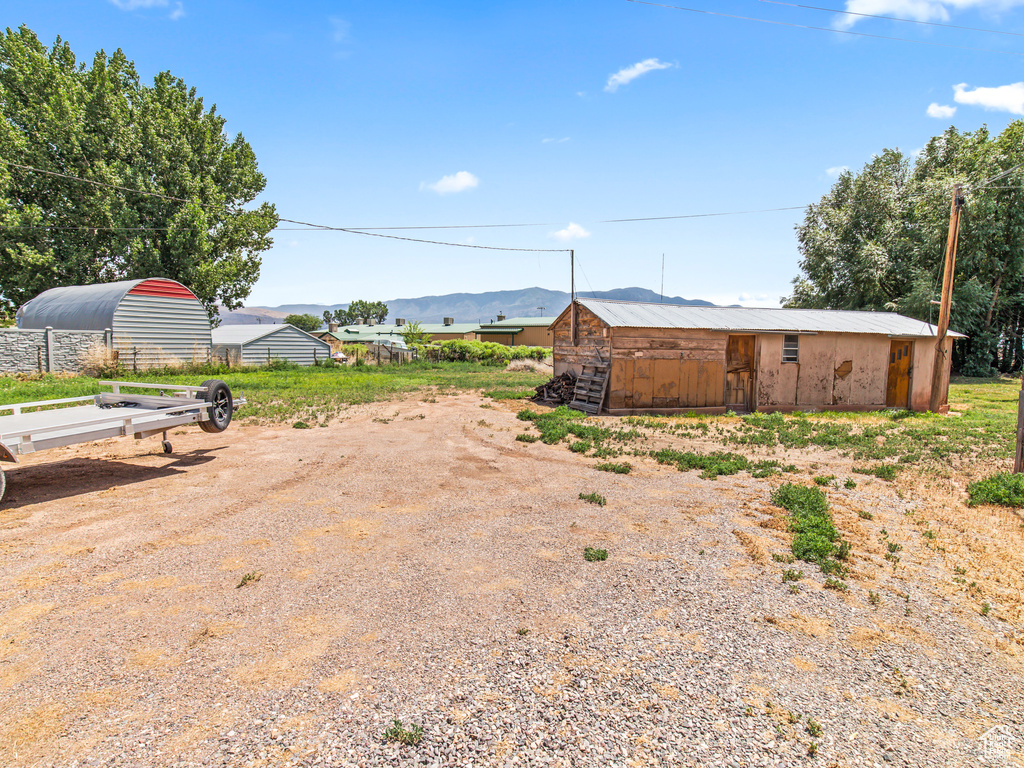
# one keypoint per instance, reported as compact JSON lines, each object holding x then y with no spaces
{"x":893,"y":18}
{"x":824,"y":29}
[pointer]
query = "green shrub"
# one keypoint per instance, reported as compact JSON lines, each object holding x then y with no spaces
{"x":592,"y":555}
{"x":593,"y":498}
{"x":525,"y":438}
{"x":1003,"y":488}
{"x":581,"y":446}
{"x":621,"y":468}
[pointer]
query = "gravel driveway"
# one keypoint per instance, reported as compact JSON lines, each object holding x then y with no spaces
{"x":414,"y":561}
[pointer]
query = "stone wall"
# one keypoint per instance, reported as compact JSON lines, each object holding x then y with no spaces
{"x":47,"y":351}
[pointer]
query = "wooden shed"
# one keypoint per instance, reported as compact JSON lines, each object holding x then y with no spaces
{"x":667,"y":358}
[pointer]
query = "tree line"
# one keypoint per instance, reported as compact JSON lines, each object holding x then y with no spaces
{"x":99,"y":122}
{"x":877,"y":241}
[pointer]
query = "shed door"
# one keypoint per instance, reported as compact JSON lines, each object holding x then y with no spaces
{"x":739,"y":372}
{"x":897,"y":388}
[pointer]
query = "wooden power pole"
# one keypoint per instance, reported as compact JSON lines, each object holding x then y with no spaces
{"x":940,"y":369}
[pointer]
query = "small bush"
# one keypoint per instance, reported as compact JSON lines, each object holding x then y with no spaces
{"x":824,"y":479}
{"x":250,"y":578}
{"x":621,"y":468}
{"x":593,"y":498}
{"x":863,"y":514}
{"x":525,"y":438}
{"x":789,"y":574}
{"x":592,"y":555}
{"x":850,"y":484}
{"x":1003,"y":488}
{"x":410,"y":736}
{"x":581,"y":446}
{"x":301,"y":425}
{"x":814,"y":727}
{"x":835,"y":584}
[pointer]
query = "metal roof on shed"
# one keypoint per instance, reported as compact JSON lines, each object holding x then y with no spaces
{"x":92,"y":307}
{"x":629,"y":314}
{"x":243,"y":334}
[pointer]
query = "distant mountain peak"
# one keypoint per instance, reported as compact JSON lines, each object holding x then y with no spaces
{"x":464,"y":307}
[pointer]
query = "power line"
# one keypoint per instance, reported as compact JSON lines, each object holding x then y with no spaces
{"x":429,"y":242}
{"x":893,"y":18}
{"x":90,"y":181}
{"x":824,"y":29}
{"x":704,"y":215}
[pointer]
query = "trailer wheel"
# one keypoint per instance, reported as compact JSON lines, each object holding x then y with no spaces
{"x":217,"y":393}
{"x":3,"y":484}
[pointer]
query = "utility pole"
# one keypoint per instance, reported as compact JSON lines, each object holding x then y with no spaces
{"x":940,"y":369}
{"x":572,"y":296}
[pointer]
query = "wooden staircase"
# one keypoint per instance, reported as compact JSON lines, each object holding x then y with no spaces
{"x":590,"y":388}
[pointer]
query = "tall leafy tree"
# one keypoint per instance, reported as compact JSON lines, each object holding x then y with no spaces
{"x":101,"y":124}
{"x":877,"y":241}
{"x":307,"y":323}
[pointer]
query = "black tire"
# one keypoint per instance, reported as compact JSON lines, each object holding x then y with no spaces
{"x":217,"y":393}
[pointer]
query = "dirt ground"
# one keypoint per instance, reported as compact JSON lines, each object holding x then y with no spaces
{"x":391,"y":554}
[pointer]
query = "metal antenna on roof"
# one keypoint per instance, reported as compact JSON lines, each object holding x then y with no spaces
{"x":663,"y":278}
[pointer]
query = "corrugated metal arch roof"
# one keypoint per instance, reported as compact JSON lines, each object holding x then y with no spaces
{"x":628,"y":314}
{"x":91,"y":307}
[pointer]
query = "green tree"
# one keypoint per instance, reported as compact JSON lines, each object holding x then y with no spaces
{"x":366,"y":311}
{"x":100,"y":123}
{"x":877,"y":241}
{"x":307,"y":323}
{"x":413,"y":333}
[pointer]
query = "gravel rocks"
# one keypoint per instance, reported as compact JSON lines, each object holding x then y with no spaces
{"x":433,"y":573}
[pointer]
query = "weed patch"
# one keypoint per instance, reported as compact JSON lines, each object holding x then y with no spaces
{"x":1003,"y":488}
{"x":594,"y":498}
{"x":592,"y":555}
{"x":881,"y":471}
{"x":397,"y":732}
{"x":620,"y":468}
{"x":814,"y":534}
{"x":719,"y":463}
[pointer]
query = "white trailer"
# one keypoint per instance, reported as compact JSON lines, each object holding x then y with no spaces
{"x":36,"y":426}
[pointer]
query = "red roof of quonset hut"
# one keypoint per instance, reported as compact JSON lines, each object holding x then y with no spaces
{"x":155,"y":321}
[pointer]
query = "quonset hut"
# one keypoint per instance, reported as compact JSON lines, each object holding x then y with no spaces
{"x":154,"y":322}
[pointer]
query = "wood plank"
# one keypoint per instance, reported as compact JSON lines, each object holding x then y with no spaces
{"x":666,"y":380}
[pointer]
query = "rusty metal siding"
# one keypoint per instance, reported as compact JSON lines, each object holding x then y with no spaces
{"x":154,"y":331}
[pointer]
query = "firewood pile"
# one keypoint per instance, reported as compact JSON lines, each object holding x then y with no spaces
{"x":559,"y":390}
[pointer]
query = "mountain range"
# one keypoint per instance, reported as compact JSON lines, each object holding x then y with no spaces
{"x":464,"y":307}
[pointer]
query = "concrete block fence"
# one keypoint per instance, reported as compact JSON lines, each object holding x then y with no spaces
{"x":48,"y":350}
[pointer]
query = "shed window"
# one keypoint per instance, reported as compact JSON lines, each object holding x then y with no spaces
{"x":791,"y":348}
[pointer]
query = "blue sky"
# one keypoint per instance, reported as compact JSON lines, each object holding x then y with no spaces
{"x":566,"y":114}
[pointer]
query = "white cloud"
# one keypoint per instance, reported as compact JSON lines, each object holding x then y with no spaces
{"x":1004,"y":98}
{"x":629,"y":74}
{"x":836,"y":171}
{"x":920,"y":10}
{"x":457,"y":182}
{"x":339,"y":30}
{"x":554,"y":141}
{"x":572,"y":232}
{"x":940,"y":111}
{"x":178,"y":12}
{"x":132,"y":5}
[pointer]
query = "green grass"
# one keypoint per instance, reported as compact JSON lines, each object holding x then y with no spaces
{"x":718,"y":463}
{"x":815,"y":538}
{"x":1002,"y":488}
{"x":592,"y":555}
{"x":594,"y":498}
{"x":312,"y":394}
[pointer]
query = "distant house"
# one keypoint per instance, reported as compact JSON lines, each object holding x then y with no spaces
{"x":518,"y":331}
{"x":261,"y":344}
{"x":669,"y":358}
{"x":337,"y":336}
